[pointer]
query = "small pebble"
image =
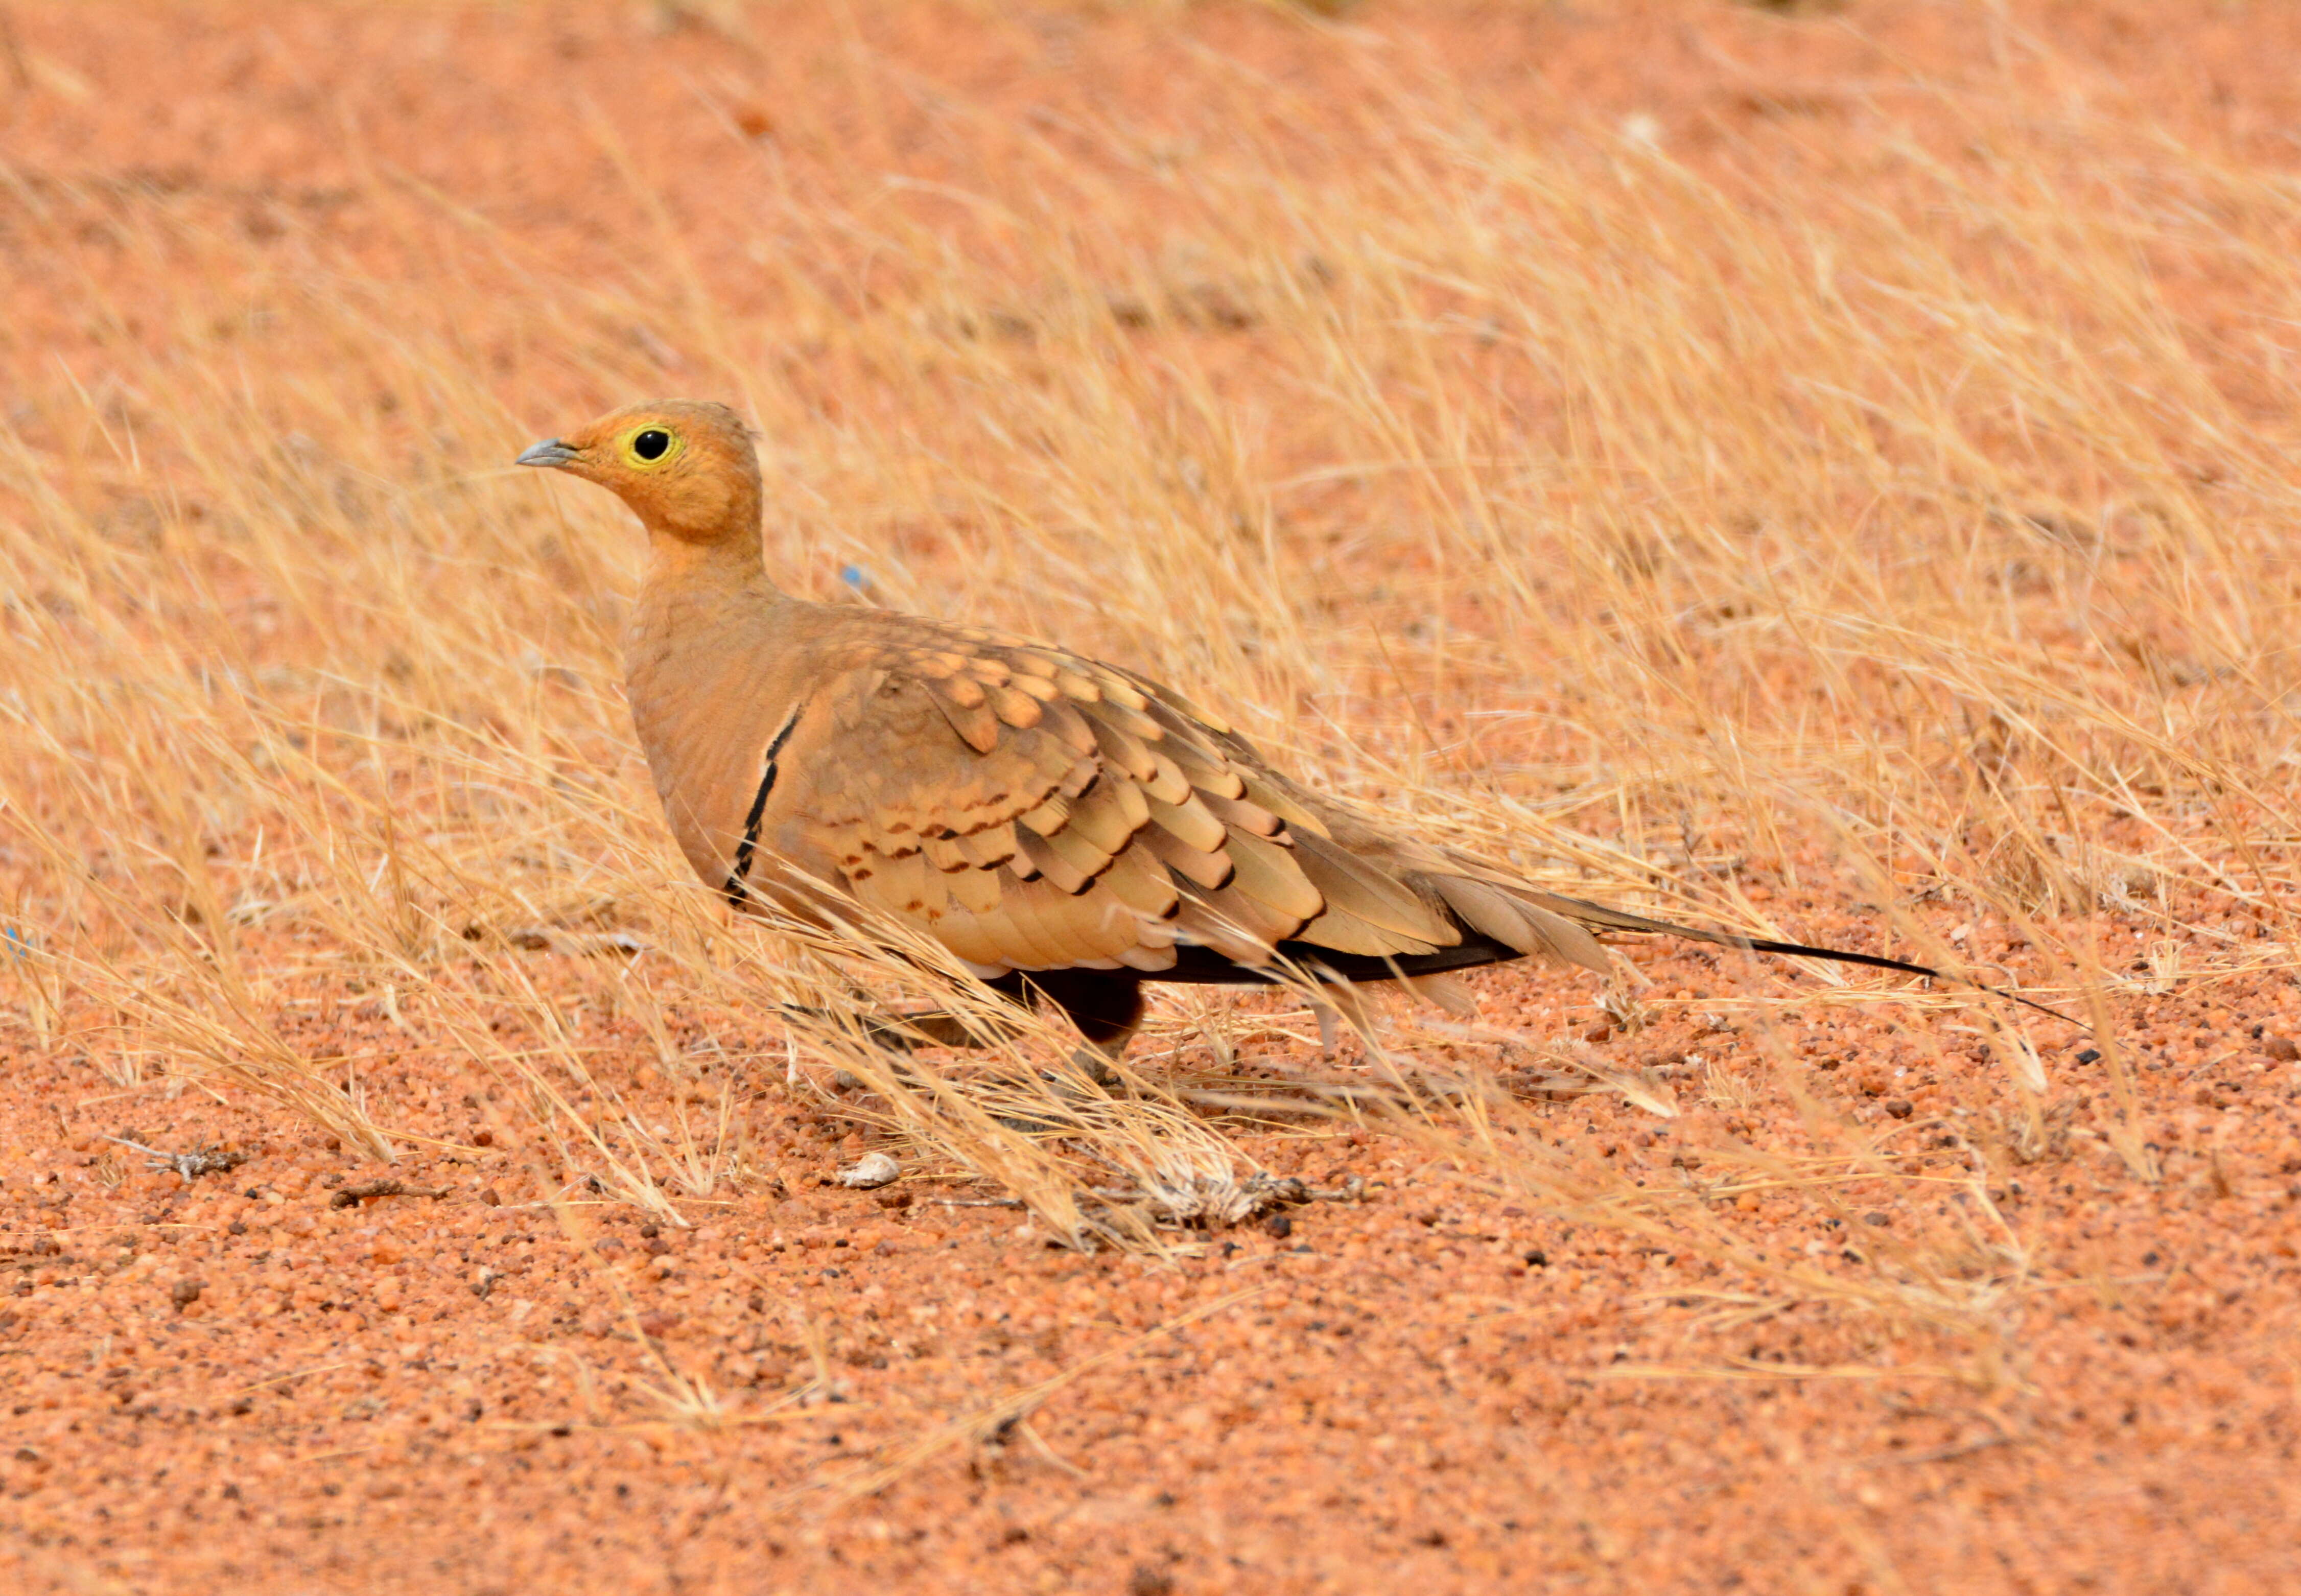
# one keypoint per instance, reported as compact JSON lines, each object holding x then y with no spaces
{"x":870,"y":1171}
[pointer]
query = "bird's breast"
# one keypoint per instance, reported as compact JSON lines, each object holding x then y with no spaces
{"x":705,"y":702}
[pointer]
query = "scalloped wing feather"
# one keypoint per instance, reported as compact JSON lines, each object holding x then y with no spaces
{"x":1037,"y":811}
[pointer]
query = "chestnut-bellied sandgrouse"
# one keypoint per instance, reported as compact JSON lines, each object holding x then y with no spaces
{"x":1067,"y":828}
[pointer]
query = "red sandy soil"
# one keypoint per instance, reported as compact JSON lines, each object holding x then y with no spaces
{"x":235,"y":1382}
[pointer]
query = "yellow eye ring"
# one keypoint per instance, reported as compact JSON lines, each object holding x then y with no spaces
{"x":651,"y":447}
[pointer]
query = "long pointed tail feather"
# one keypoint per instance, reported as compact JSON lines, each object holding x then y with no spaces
{"x":1204,"y":966}
{"x":1613,"y":919}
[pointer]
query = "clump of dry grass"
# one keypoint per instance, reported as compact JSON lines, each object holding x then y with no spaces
{"x":1911,"y":547}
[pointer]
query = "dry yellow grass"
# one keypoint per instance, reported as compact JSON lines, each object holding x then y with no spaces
{"x":1907,"y":533}
{"x":1910,"y":533}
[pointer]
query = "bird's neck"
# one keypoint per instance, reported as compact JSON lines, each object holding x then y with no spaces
{"x":701,"y":604}
{"x":700,"y":665}
{"x":731,"y":567}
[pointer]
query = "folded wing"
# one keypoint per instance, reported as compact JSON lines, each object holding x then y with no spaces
{"x":1036,"y":811}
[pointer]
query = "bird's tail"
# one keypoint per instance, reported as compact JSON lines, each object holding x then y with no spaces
{"x":1600,"y":917}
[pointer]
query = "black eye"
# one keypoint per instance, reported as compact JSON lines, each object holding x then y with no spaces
{"x":651,"y":444}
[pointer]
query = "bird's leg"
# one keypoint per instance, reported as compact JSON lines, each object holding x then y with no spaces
{"x":1334,"y":1007}
{"x":1105,"y":1005}
{"x":1094,"y":1064}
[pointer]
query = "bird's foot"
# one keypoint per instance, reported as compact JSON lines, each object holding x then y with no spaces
{"x":1093,"y":1064}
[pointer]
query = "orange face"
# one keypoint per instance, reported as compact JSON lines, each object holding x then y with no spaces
{"x":686,"y":467}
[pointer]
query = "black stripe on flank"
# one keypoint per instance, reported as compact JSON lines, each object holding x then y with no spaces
{"x":736,"y":890}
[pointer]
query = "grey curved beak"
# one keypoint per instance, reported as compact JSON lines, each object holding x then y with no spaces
{"x":549,"y":452}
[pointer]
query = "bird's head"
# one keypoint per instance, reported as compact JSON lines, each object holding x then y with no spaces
{"x":686,"y":467}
